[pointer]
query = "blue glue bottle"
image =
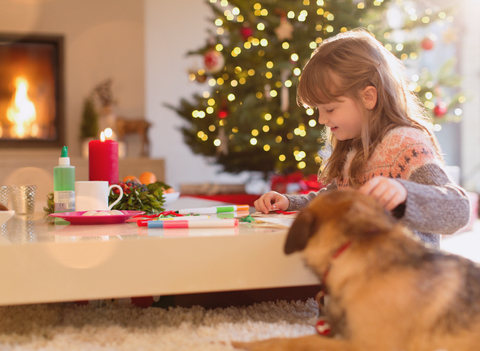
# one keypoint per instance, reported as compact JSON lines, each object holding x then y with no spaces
{"x":64,"y":184}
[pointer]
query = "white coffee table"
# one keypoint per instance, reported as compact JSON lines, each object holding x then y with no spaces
{"x":43,"y":262}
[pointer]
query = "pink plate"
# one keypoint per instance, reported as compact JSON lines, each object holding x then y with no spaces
{"x":77,"y":218}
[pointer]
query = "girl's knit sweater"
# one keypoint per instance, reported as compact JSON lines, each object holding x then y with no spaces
{"x":434,"y":205}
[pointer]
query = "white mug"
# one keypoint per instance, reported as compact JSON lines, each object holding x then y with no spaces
{"x":93,"y":195}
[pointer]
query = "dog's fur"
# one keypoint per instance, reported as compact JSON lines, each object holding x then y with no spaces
{"x":388,"y":291}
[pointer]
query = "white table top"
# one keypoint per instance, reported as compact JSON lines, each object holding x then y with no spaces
{"x":47,"y":262}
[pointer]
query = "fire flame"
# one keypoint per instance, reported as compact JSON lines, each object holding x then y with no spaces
{"x":21,"y":111}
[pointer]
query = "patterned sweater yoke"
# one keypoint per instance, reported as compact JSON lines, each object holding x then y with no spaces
{"x":402,"y":151}
{"x":434,"y":205}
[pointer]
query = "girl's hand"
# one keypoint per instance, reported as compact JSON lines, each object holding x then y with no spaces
{"x":388,"y":192}
{"x":271,"y":201}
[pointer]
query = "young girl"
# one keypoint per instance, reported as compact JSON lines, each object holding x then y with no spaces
{"x":379,"y":135}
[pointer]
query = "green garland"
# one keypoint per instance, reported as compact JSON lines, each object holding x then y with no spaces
{"x":140,"y":197}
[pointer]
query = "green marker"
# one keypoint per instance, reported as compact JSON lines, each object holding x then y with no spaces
{"x":215,"y":209}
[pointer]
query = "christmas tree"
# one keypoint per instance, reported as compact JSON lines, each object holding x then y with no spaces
{"x":89,"y":127}
{"x":247,"y":119}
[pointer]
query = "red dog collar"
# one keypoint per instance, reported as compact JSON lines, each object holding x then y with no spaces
{"x":335,"y":255}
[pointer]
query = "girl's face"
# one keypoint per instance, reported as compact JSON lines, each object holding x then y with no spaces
{"x":343,"y":117}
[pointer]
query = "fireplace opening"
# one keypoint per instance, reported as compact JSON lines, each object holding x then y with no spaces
{"x":31,"y":91}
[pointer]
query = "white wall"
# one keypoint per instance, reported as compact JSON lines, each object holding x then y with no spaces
{"x":172,"y":28}
{"x":470,"y":69}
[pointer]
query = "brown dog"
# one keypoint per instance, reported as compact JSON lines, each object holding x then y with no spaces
{"x":388,"y":292}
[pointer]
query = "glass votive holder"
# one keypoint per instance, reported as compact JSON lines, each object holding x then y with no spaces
{"x":4,"y":195}
{"x":23,"y":198}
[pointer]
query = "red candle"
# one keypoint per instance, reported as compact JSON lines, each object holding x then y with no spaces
{"x":103,"y":160}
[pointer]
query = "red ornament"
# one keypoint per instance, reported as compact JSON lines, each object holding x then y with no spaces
{"x":323,"y":327}
{"x":223,"y":113}
{"x":246,"y":32}
{"x":440,"y":109}
{"x":214,"y":61}
{"x":428,"y":43}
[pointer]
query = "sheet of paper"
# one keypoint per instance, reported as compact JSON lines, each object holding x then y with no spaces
{"x":274,"y":215}
{"x":275,"y":219}
{"x":284,"y":222}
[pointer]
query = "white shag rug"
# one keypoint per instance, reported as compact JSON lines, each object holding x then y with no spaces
{"x":66,"y":326}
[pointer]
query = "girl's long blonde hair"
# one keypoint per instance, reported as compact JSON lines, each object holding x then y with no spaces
{"x":359,"y":60}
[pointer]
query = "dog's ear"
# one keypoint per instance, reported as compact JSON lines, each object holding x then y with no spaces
{"x":364,"y":222}
{"x":301,"y":230}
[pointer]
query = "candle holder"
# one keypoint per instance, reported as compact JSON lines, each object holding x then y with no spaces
{"x":4,"y":195}
{"x":23,"y":198}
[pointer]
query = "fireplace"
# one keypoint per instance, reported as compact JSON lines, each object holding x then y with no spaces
{"x":31,"y":91}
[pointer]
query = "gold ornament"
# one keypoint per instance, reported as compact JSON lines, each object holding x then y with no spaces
{"x":284,"y":30}
{"x":223,"y":147}
{"x":450,"y":35}
{"x":284,"y":95}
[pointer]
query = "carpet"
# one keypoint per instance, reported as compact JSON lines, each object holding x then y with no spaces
{"x":117,"y":327}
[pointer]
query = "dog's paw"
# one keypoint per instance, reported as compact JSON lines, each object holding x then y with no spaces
{"x":263,"y":345}
{"x":241,"y":345}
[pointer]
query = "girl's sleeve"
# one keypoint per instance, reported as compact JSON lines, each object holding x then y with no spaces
{"x":296,"y":202}
{"x":434,"y":203}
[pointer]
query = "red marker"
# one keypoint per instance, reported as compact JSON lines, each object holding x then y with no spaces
{"x":203,"y":223}
{"x":144,"y":222}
